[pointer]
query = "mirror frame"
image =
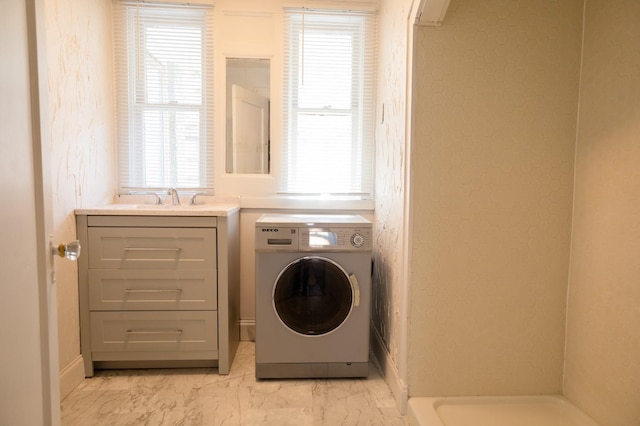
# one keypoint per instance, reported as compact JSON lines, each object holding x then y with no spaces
{"x":253,"y":73}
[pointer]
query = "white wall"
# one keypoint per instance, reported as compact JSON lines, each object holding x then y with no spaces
{"x":390,"y":286}
{"x":82,"y":144}
{"x":496,"y":89}
{"x":602,"y":369}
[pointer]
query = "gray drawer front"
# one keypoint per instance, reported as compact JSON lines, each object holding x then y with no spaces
{"x":154,"y":331}
{"x":152,"y":248}
{"x":153,"y":221}
{"x":134,"y":289}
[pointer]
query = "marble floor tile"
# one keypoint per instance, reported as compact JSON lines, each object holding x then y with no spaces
{"x":200,"y":396}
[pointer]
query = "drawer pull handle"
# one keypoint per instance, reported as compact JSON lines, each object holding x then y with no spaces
{"x":169,"y":290}
{"x":151,"y":249}
{"x":154,"y":332}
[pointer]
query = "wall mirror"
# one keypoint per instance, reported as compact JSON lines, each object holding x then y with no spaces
{"x":247,"y":125}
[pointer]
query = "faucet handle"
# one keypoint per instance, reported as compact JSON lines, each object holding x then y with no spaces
{"x":157,"y":199}
{"x":192,"y":201}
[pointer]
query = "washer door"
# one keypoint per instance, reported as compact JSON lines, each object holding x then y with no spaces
{"x":313,"y":295}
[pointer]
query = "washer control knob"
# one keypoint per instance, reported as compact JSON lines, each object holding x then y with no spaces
{"x":357,"y":240}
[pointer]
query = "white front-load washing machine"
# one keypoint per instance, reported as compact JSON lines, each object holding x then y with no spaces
{"x":313,"y":296}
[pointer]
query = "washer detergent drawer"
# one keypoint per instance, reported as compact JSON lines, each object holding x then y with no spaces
{"x":152,"y":248}
{"x":134,"y":289}
{"x":151,"y":331}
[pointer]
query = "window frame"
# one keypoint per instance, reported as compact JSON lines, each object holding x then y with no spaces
{"x":363,"y":86}
{"x":132,"y":21}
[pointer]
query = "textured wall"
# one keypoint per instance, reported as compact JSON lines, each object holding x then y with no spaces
{"x":82,"y":144}
{"x":492,"y":171}
{"x":602,"y":372}
{"x":388,"y":285}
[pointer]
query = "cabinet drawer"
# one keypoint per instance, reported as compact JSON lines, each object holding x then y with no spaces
{"x":152,"y":248}
{"x":154,"y":331}
{"x":134,"y":289}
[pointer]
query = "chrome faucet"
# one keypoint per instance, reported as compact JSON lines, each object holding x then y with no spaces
{"x":175,"y":198}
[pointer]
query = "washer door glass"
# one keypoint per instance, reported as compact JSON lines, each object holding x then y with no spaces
{"x":313,"y":295}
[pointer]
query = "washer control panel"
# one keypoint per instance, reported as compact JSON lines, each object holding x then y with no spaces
{"x":276,"y":238}
{"x":318,"y":239}
{"x":313,"y":233}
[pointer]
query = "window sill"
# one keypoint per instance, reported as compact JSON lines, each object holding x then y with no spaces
{"x":306,"y":203}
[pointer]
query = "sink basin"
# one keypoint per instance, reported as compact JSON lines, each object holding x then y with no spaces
{"x":172,"y":207}
{"x":154,"y":206}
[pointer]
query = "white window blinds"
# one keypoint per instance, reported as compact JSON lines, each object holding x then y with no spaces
{"x":328,"y":102}
{"x":164,"y":91}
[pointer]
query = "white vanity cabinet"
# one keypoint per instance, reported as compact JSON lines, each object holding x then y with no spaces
{"x":158,"y":290}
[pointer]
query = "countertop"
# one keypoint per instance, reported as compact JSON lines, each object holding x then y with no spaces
{"x":208,"y":209}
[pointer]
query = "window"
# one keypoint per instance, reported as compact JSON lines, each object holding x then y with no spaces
{"x":328,"y":102}
{"x":164,"y":90}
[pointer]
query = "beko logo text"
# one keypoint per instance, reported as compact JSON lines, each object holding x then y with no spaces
{"x":269,"y":229}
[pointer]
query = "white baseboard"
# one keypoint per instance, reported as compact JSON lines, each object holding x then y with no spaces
{"x":389,"y":370}
{"x":248,"y":330}
{"x":71,"y":376}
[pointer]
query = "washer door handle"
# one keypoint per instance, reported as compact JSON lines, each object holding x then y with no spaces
{"x":356,"y":289}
